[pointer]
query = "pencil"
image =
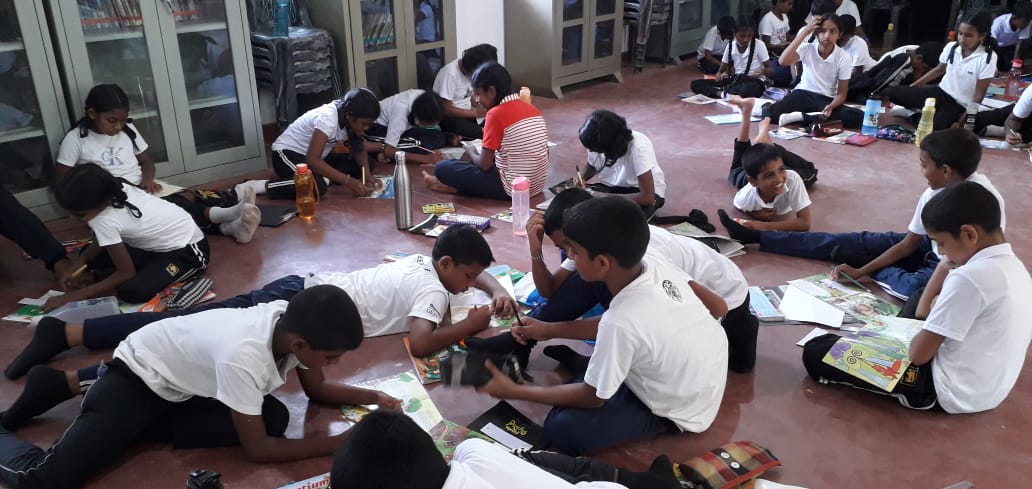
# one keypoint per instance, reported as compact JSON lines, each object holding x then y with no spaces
{"x":580,"y":180}
{"x":363,"y":175}
{"x":851,"y":279}
{"x":77,"y":272}
{"x":516,"y":308}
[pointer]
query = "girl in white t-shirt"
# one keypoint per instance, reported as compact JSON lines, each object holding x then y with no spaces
{"x":825,"y":81}
{"x":106,"y":137}
{"x":744,"y":66}
{"x":141,"y":244}
{"x":966,"y":67}
{"x":624,"y":161}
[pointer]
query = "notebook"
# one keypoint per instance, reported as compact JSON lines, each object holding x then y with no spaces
{"x":275,"y":215}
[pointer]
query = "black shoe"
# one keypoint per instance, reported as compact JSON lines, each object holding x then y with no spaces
{"x":738,"y":231}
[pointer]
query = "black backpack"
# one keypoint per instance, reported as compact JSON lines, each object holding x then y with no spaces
{"x":743,"y":84}
{"x":887,"y":72}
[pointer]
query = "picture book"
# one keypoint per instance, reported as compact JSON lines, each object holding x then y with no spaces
{"x":428,"y":368}
{"x":764,"y":304}
{"x":509,"y":427}
{"x":406,"y":386}
{"x":860,"y":305}
{"x":461,"y":304}
{"x":384,"y":188}
{"x":725,"y":245}
{"x":878,"y":353}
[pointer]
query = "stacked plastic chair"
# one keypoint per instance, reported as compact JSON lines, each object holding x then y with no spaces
{"x":303,"y":63}
{"x":650,"y":14}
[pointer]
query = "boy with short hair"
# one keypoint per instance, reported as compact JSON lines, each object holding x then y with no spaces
{"x":660,"y":359}
{"x":714,"y":43}
{"x":453,"y":85}
{"x":235,"y":356}
{"x":899,"y":263}
{"x":970,"y":352}
{"x":1012,"y":31}
{"x":387,"y":450}
{"x":776,"y":33}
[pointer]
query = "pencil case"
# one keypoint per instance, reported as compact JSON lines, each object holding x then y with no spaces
{"x":481,"y":223}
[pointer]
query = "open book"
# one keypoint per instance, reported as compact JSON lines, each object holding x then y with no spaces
{"x":878,"y":353}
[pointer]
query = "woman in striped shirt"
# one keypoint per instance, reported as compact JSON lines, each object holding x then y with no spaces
{"x":515,"y":144}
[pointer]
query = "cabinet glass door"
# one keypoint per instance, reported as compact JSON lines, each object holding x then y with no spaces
{"x":689,"y":15}
{"x":379,"y":56}
{"x":23,"y":138}
{"x":208,"y":59}
{"x":428,"y":17}
{"x":605,"y":38}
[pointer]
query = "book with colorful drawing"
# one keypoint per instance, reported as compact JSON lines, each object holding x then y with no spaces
{"x":384,"y":188}
{"x":428,"y":368}
{"x":878,"y":353}
{"x":860,"y":305}
{"x":415,"y":401}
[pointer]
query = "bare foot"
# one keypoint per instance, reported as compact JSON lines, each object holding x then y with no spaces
{"x":434,"y":184}
{"x":763,"y":131}
{"x":746,"y":104}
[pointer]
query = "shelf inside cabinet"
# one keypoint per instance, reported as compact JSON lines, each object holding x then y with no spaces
{"x":20,"y":133}
{"x":115,"y":35}
{"x":204,"y":103}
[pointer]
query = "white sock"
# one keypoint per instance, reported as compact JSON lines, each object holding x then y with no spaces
{"x":994,"y":132}
{"x":242,"y":230}
{"x":790,"y":118}
{"x":257,"y":185}
{"x":221,"y":215}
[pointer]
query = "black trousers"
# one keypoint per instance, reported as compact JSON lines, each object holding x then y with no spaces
{"x":947,"y":110}
{"x":1004,"y":57}
{"x":197,"y":202}
{"x":997,"y":117}
{"x":414,"y":140}
{"x":155,"y":271}
{"x":737,"y":176}
{"x":285,"y":162}
{"x":806,"y":101}
{"x":584,"y":469}
{"x":118,"y":411}
{"x":742,"y":328}
{"x":467,"y":128}
{"x":915,"y":390}
{"x":23,"y":227}
{"x":648,"y":210}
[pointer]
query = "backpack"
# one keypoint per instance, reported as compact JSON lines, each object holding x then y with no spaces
{"x":743,"y":84}
{"x":888,"y":72}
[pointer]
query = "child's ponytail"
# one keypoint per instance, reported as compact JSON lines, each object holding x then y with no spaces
{"x":88,"y":187}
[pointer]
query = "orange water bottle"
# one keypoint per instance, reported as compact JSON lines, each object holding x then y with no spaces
{"x":306,"y":194}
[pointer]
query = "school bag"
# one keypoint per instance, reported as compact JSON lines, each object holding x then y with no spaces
{"x":888,"y":72}
{"x":742,"y":84}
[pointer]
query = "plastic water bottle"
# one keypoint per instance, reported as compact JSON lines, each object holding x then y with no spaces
{"x":1014,"y":80}
{"x":525,"y":94}
{"x":970,"y":115}
{"x":924,"y":127}
{"x":520,"y":205}
{"x":871,"y":111}
{"x":889,"y":38}
{"x":402,"y":193}
{"x":281,"y":18}
{"x":305,"y":192}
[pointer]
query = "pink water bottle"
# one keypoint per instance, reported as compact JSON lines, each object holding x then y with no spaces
{"x":520,"y":205}
{"x":1014,"y":80}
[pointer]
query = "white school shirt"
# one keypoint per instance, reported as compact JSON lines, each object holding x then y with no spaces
{"x":848,"y":7}
{"x":702,"y":264}
{"x":161,"y":227}
{"x":822,"y":75}
{"x":1023,"y":108}
{"x":713,"y":43}
{"x":777,"y":29}
{"x":480,"y":464}
{"x":741,"y":59}
{"x":860,"y":52}
{"x":983,"y":315}
{"x":224,"y":354}
{"x":389,"y":294}
{"x":794,"y":199}
{"x":917,"y":225}
{"x":963,"y":74}
{"x":299,"y":133}
{"x":452,"y":85}
{"x":1004,"y":35}
{"x":660,"y":340}
{"x":394,"y":113}
{"x":112,"y":153}
{"x":640,"y":158}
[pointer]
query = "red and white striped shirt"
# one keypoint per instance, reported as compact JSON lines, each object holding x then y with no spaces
{"x":516,"y":132}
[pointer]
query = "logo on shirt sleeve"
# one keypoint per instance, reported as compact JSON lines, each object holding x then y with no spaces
{"x":671,"y":290}
{"x":432,"y":310}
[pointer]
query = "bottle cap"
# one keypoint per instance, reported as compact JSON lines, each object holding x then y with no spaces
{"x":302,"y":168}
{"x":930,"y":102}
{"x":1017,"y":64}
{"x":891,"y":27}
{"x":520,"y":183}
{"x":524,"y":88}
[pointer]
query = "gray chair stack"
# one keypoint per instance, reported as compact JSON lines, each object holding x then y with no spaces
{"x":643,"y":16}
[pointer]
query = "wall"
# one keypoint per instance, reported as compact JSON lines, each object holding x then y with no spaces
{"x":479,"y":21}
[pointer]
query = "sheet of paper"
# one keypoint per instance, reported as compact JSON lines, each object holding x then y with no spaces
{"x":765,"y":484}
{"x":728,"y":119}
{"x":167,"y":188}
{"x":501,"y":436}
{"x":815,"y":332}
{"x":41,"y":300}
{"x":797,"y":305}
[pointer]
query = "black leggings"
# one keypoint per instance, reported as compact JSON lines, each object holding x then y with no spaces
{"x":742,"y":328}
{"x":584,"y":469}
{"x":947,"y":110}
{"x":197,"y":202}
{"x":468,"y":128}
{"x":118,"y":411}
{"x":806,"y":101}
{"x":155,"y":271}
{"x":284,"y":163}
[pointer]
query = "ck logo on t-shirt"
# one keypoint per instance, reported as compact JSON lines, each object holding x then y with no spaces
{"x":110,"y":156}
{"x":671,"y":290}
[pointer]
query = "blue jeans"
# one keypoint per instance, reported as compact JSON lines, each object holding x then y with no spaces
{"x":572,"y":299}
{"x":904,"y":277}
{"x":576,"y":431}
{"x":782,"y":75}
{"x":107,"y":332}
{"x":470,"y":180}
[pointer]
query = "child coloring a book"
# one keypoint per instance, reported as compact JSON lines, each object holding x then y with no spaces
{"x":106,"y":137}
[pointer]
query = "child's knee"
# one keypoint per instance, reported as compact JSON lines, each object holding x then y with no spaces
{"x":564,"y":430}
{"x":814,"y":352}
{"x":134,"y":294}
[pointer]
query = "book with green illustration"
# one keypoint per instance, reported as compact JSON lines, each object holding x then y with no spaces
{"x":856,"y":302}
{"x":878,"y":353}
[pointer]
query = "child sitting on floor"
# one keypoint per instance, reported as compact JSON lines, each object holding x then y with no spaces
{"x":900,"y":263}
{"x":408,"y":122}
{"x":776,"y":35}
{"x":970,"y":352}
{"x":744,"y":66}
{"x":624,"y":161}
{"x":714,"y":43}
{"x":515,"y":144}
{"x":660,"y":360}
{"x":214,"y":369}
{"x":387,"y":450}
{"x":1012,"y":31}
{"x":106,"y":137}
{"x":855,"y":45}
{"x":141,"y":242}
{"x":452,"y":84}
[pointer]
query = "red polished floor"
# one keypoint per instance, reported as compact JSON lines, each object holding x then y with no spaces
{"x":826,"y":437}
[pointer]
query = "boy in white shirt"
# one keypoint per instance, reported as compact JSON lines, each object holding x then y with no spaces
{"x":387,"y":450}
{"x":971,"y":350}
{"x":776,"y":34}
{"x":714,"y":44}
{"x":1011,"y":32}
{"x":842,"y":7}
{"x":453,"y":84}
{"x":235,"y":356}
{"x":660,"y":360}
{"x":856,"y":46}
